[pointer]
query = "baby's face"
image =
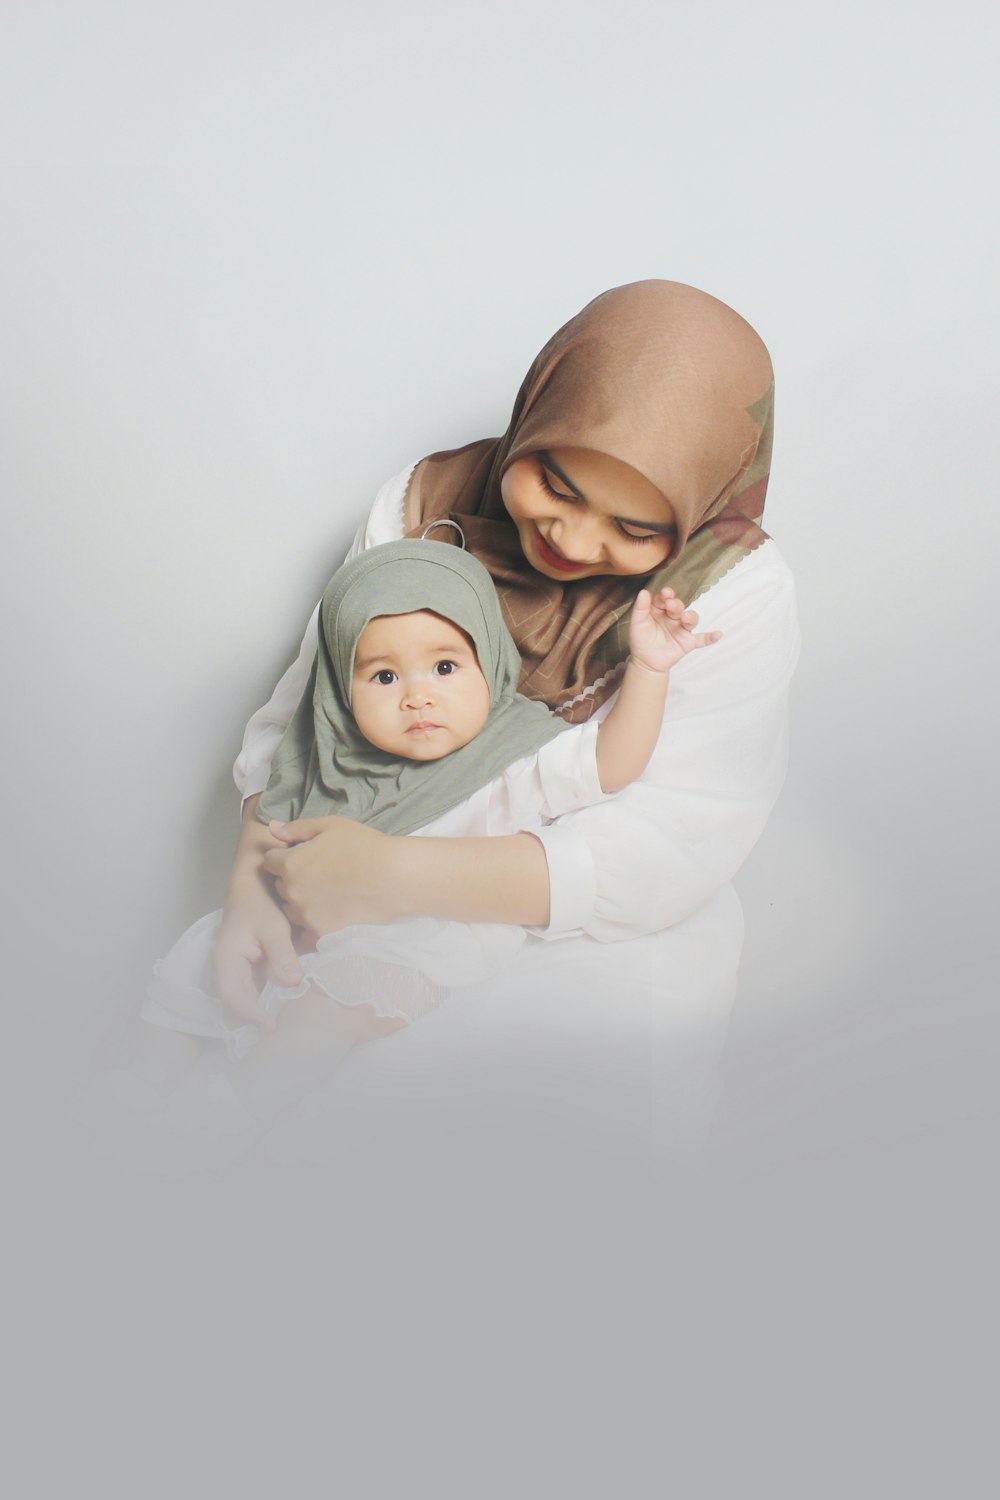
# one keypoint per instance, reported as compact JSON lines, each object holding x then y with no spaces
{"x":417,"y":690}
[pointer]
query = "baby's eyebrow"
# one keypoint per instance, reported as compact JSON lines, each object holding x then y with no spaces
{"x":365,"y":663}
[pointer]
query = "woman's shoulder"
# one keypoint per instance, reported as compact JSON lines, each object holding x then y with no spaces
{"x":754,"y":601}
{"x":387,"y":509}
{"x":760,"y":574}
{"x":384,"y":522}
{"x":392,"y":494}
{"x":763,"y":568}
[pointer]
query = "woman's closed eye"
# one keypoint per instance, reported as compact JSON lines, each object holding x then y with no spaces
{"x":637,"y":536}
{"x":622,"y":527}
{"x":549,"y":486}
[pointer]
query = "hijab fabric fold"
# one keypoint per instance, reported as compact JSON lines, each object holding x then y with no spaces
{"x":666,"y":379}
{"x":324,"y":765}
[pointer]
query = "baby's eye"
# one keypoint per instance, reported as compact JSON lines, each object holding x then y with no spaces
{"x":385,"y":677}
{"x":445,"y":668}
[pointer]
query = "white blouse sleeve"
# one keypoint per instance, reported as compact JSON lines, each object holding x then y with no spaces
{"x":680,"y":832}
{"x":268,"y":724}
{"x":559,"y":778}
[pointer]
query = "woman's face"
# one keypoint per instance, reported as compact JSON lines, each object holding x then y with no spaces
{"x":581,"y":514}
{"x":417,"y":690}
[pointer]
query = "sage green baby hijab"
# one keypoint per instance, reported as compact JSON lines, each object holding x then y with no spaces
{"x":324,"y":765}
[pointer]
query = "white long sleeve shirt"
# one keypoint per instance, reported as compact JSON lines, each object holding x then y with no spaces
{"x":661,"y":849}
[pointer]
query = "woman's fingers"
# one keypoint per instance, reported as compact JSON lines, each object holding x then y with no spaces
{"x":297,"y":831}
{"x":237,"y":990}
{"x":274,"y":862}
{"x":282,"y":960}
{"x":280,"y":865}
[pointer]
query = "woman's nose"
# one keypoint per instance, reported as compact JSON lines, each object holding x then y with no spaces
{"x":578,"y":540}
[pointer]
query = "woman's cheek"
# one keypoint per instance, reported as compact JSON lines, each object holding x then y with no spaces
{"x":518,"y":488}
{"x":655,"y":557}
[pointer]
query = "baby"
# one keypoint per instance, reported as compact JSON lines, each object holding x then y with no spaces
{"x":411,"y":716}
{"x":414,"y":620}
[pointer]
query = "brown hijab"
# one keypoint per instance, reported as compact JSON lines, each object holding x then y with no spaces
{"x":657,"y":375}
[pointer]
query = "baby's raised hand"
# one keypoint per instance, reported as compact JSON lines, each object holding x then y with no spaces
{"x":661,"y":630}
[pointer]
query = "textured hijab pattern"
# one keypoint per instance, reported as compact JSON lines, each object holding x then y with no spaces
{"x":324,"y":765}
{"x":661,"y":377}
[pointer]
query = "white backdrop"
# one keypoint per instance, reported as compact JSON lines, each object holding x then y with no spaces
{"x":258,"y":254}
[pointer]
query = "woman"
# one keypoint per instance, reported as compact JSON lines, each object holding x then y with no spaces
{"x":637,"y":452}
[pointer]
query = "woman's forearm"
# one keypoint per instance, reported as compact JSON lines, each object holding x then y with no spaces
{"x":473,"y":879}
{"x":334,"y":872}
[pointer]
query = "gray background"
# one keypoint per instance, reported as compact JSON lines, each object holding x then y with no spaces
{"x":259,"y":256}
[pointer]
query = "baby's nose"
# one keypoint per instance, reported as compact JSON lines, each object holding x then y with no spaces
{"x":417,"y":695}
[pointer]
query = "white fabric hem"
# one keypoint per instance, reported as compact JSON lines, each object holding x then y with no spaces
{"x":572,"y":881}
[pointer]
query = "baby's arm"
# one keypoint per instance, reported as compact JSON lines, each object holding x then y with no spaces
{"x":661,"y":632}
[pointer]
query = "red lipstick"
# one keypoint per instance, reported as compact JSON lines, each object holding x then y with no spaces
{"x":555,"y":560}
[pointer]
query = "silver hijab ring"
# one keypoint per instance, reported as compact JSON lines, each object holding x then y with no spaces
{"x":444,"y":521}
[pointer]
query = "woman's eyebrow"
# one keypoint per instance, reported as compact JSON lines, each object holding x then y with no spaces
{"x":667,"y":528}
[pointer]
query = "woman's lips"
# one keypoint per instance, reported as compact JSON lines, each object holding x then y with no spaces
{"x":553,"y":559}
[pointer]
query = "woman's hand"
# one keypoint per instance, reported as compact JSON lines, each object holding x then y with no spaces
{"x":661,"y":630}
{"x":332,"y":873}
{"x":255,"y":939}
